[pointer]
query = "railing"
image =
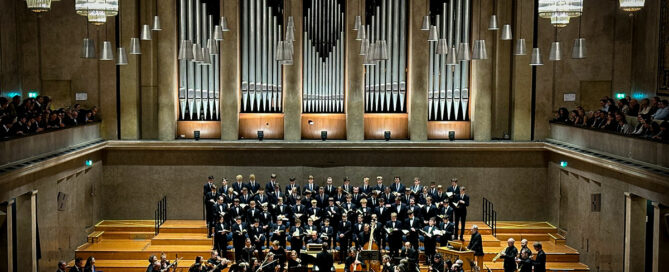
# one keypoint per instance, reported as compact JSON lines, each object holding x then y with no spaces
{"x":490,"y":215}
{"x":160,"y":214}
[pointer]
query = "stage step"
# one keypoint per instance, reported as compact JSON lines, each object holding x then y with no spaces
{"x":182,"y":239}
{"x":557,"y":238}
{"x":552,"y":266}
{"x":95,"y":237}
{"x":129,"y":235}
{"x":519,"y":236}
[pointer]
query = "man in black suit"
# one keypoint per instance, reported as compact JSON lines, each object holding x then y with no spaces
{"x":324,"y":260}
{"x":397,"y":187}
{"x":311,"y":186}
{"x":238,"y":236}
{"x":253,"y":186}
{"x":412,"y":225}
{"x":239,"y":184}
{"x":345,"y":233}
{"x":454,"y":189}
{"x":329,"y":188}
{"x":291,"y":185}
{"x":446,"y":227}
{"x":476,"y":245}
{"x":539,"y":262}
{"x":461,"y":203}
{"x":79,"y":265}
{"x":221,"y":237}
{"x":430,"y":240}
{"x":269,"y":187}
{"x":321,"y":198}
{"x":394,"y":230}
{"x":509,"y":255}
{"x":410,"y":254}
{"x":207,"y":186}
{"x":399,"y":208}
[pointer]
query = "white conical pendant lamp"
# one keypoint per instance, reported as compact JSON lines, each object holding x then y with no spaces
{"x":364,"y":47}
{"x":135,"y":48}
{"x":122,"y":57}
{"x":279,"y":51}
{"x":506,"y":33}
{"x":463,"y":52}
{"x":480,"y":50}
{"x":107,"y":52}
{"x":535,"y":59}
{"x":88,"y":49}
{"x":493,"y":23}
{"x":146,"y":33}
{"x":434,"y":35}
{"x":224,"y":24}
{"x":556,"y":52}
{"x":426,"y":23}
{"x":520,"y":49}
{"x":361,"y":34}
{"x":156,"y":24}
{"x":218,"y":33}
{"x":579,"y":50}
{"x":442,"y":47}
{"x":358,"y":23}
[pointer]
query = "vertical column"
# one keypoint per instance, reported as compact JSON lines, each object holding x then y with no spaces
{"x":656,"y":236}
{"x":149,"y":72}
{"x":167,"y":70}
{"x":355,"y":100}
{"x":292,"y":87}
{"x":521,"y":81}
{"x":129,"y":74}
{"x":10,"y":235}
{"x":418,"y":48}
{"x":628,"y":232}
{"x":502,"y":66}
{"x":33,"y":230}
{"x":229,"y":65}
{"x":482,"y":77}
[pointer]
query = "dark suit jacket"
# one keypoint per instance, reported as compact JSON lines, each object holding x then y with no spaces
{"x":324,"y":261}
{"x":397,"y":188}
{"x":476,"y":244}
{"x":539,"y":262}
{"x":252,"y":187}
{"x":313,"y":190}
{"x":462,"y":208}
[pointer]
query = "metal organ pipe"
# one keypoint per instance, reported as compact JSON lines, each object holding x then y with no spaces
{"x":449,"y":85}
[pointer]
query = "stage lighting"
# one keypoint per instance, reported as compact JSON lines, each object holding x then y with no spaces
{"x":311,"y":122}
{"x":324,"y":135}
{"x":451,"y":135}
{"x":89,"y":163}
{"x":196,"y":134}
{"x":386,"y":135}
{"x":563,"y":164}
{"x":261,"y":134}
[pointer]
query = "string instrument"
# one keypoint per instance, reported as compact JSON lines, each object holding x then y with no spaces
{"x":222,"y":262}
{"x":497,"y":256}
{"x":356,"y":265}
{"x":173,"y":264}
{"x":371,"y":245}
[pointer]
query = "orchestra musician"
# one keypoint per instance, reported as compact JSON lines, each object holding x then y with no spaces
{"x":509,"y":255}
{"x":476,"y":245}
{"x":198,"y":266}
{"x":314,"y":239}
{"x":539,"y":262}
{"x":411,"y":255}
{"x":294,"y":262}
{"x":437,"y":264}
{"x":352,"y":260}
{"x":249,"y":251}
{"x":523,"y":247}
{"x":387,"y":265}
{"x":524,"y":262}
{"x":152,"y":260}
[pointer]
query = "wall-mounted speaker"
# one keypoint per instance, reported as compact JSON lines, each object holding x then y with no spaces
{"x":596,"y":202}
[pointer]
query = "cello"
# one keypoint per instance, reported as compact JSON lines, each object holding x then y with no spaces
{"x":374,"y":265}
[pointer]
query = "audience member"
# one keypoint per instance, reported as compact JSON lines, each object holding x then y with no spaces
{"x":35,"y":115}
{"x":662,"y":112}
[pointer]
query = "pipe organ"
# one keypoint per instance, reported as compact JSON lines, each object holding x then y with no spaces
{"x":385,"y":80}
{"x":323,"y":56}
{"x":261,"y":30}
{"x":448,"y":85}
{"x":199,"y":79}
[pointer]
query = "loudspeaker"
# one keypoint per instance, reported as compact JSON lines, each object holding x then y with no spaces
{"x":261,"y":134}
{"x":596,"y":202}
{"x":324,"y":135}
{"x":62,"y":201}
{"x":451,"y":135}
{"x":196,"y":134}
{"x":386,"y":135}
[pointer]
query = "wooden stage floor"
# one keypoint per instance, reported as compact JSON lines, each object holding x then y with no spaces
{"x":125,"y":245}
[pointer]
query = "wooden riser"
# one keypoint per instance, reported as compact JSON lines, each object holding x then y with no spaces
{"x":488,"y":243}
{"x":127,"y":235}
{"x":106,"y":229}
{"x":519,"y":236}
{"x":550,"y":257}
{"x":191,"y":242}
{"x":141,"y":255}
{"x":183,"y":230}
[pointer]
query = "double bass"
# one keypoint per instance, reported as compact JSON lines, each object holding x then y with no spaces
{"x":374,"y":265}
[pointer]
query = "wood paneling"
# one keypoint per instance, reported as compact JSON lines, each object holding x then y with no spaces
{"x":377,"y":123}
{"x":437,"y":130}
{"x":270,"y":123}
{"x":334,"y":124}
{"x":208,"y":129}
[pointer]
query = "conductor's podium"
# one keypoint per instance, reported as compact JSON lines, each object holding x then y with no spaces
{"x":466,"y":255}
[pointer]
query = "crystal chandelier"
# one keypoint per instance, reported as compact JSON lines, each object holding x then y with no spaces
{"x":39,"y":6}
{"x":97,"y":11}
{"x":560,"y":11}
{"x":631,"y":5}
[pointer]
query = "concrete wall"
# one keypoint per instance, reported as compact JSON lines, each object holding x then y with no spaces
{"x":180,"y":175}
{"x":61,"y":232}
{"x":25,"y":147}
{"x":626,"y":147}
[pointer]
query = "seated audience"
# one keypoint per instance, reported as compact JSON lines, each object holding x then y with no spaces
{"x":35,"y":115}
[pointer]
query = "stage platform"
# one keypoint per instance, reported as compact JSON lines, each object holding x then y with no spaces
{"x":125,"y":245}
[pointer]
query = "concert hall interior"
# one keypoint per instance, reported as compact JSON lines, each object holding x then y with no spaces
{"x":334,"y":135}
